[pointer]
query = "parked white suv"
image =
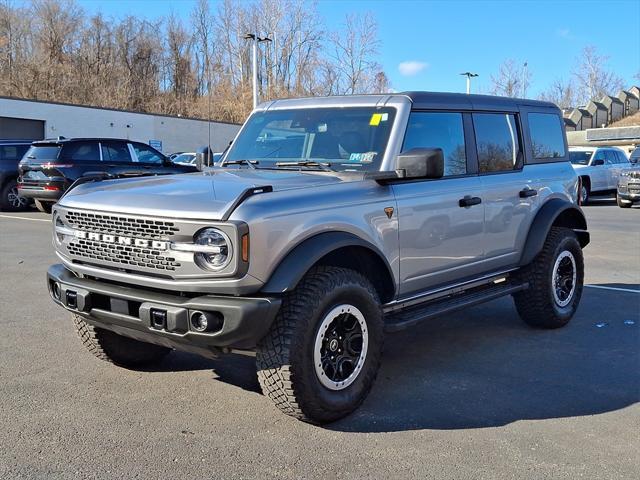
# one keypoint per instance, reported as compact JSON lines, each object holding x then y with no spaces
{"x":599,"y":168}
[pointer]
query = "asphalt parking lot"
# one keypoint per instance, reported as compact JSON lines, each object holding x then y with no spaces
{"x":475,"y":395}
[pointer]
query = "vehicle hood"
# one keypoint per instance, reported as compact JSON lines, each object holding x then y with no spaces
{"x":202,"y":195}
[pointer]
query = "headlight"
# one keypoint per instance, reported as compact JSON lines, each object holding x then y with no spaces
{"x":218,"y":252}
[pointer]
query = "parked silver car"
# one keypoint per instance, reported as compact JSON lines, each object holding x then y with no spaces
{"x":328,"y":222}
{"x":628,"y":188}
{"x":599,"y":169}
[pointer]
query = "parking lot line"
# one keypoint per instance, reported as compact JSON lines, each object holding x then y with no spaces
{"x":614,"y":288}
{"x":26,"y":218}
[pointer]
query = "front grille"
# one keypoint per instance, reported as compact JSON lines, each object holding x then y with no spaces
{"x":121,"y":254}
{"x":120,"y":225}
{"x":633,"y":188}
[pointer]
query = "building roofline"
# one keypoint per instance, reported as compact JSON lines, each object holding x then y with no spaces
{"x":2,"y":97}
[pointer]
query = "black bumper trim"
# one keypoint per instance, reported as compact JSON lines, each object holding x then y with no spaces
{"x":125,"y":310}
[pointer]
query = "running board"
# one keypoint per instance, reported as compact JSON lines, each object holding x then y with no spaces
{"x":410,"y":316}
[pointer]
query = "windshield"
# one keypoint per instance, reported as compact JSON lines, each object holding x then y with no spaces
{"x":580,"y":158}
{"x":185,"y":158}
{"x":353,"y":138}
{"x":48,"y":153}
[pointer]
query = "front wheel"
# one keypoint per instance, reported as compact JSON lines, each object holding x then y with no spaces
{"x":114,"y":348}
{"x":555,"y":282}
{"x":322,"y":353}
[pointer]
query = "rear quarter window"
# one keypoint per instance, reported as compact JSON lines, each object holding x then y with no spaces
{"x":81,"y":152}
{"x":546,"y":131}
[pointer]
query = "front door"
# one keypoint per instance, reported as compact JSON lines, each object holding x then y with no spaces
{"x":440,"y":239}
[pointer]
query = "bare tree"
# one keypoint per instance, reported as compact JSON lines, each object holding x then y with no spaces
{"x":512,"y":80}
{"x":593,"y":78}
{"x":562,"y":93}
{"x":354,"y":49}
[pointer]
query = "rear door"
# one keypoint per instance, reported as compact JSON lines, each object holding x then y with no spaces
{"x":440,"y":239}
{"x":116,"y":157}
{"x":508,"y":192}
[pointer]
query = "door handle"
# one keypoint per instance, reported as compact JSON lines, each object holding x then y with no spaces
{"x":528,"y":192}
{"x":469,"y":201}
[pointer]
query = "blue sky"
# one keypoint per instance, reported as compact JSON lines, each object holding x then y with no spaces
{"x":426,"y":44}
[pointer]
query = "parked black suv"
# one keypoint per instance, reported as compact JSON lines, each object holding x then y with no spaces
{"x":51,"y":166}
{"x":11,"y":151}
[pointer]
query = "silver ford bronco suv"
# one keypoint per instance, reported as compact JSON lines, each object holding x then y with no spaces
{"x":329,"y":222}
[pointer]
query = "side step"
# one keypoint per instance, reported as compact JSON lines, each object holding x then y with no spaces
{"x":410,"y":316}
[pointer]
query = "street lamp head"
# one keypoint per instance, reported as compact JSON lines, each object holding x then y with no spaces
{"x":469,"y":74}
{"x":264,"y":39}
{"x":249,"y":36}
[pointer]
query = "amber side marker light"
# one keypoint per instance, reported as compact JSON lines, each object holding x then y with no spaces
{"x":245,"y":247}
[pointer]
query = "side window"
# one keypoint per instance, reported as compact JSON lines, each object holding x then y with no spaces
{"x":622,"y":158}
{"x":611,"y":157}
{"x":599,"y":155}
{"x":546,"y":135}
{"x":439,"y":130}
{"x":80,"y":152}
{"x":116,"y":152}
{"x":497,"y":141}
{"x":147,"y":154}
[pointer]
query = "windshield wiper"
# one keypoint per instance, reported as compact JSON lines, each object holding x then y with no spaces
{"x":307,"y":163}
{"x":250,"y":163}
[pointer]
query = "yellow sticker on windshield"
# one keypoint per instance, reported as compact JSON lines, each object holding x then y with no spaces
{"x":375,"y":119}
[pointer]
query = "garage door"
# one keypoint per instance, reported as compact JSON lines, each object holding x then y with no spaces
{"x":21,"y":129}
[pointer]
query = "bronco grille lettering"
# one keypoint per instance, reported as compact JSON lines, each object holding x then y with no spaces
{"x":138,"y":242}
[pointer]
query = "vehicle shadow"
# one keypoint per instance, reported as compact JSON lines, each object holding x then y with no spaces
{"x":485,"y":368}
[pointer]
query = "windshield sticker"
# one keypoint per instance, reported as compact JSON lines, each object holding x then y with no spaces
{"x":376,"y":118}
{"x":366,"y":157}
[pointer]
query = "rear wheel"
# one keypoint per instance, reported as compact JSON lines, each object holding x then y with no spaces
{"x":44,"y":207}
{"x":114,"y":348}
{"x":321,"y":356}
{"x":622,"y":203}
{"x":10,"y":198}
{"x":555,"y":282}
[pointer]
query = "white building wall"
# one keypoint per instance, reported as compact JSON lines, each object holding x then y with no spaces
{"x":177,"y":134}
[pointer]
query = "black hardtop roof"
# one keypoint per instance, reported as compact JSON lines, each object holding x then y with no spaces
{"x":471,"y":101}
{"x":9,"y":141}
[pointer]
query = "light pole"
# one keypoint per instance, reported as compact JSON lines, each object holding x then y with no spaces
{"x":469,"y":75}
{"x":255,"y":39}
{"x":524,"y":79}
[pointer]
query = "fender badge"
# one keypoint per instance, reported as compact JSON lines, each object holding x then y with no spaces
{"x":388,"y":211}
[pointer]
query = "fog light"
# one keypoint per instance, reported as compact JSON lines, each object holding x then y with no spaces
{"x":206,"y":321}
{"x":55,"y":288}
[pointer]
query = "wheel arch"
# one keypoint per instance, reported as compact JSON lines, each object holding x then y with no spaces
{"x":554,"y":213}
{"x":339,"y":249}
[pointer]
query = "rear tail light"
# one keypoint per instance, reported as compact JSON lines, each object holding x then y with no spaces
{"x":50,"y":188}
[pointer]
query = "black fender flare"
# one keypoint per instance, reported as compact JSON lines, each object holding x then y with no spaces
{"x":307,"y":253}
{"x":557,"y":212}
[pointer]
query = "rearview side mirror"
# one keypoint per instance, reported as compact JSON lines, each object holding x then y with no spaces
{"x":199,"y":161}
{"x":597,"y":162}
{"x":421,"y":163}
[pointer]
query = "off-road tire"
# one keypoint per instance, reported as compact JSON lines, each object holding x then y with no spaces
{"x":44,"y":207}
{"x":5,"y":203}
{"x":285,"y":364}
{"x":623,"y":203}
{"x":537,"y":305}
{"x":114,"y":348}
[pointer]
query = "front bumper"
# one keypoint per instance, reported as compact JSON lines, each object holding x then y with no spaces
{"x":630,"y":191}
{"x":128,"y":311}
